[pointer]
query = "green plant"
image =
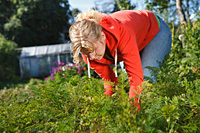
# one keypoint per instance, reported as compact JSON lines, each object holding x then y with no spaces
{"x":8,"y":59}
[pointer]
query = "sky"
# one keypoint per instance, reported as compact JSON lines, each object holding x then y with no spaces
{"x":84,"y":5}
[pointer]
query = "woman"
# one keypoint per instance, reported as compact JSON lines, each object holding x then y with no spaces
{"x":139,"y":38}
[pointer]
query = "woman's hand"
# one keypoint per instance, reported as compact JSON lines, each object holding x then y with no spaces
{"x":108,"y":88}
{"x":134,"y":93}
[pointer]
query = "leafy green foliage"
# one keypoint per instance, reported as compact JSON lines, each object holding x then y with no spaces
{"x":8,"y":59}
{"x":78,"y":104}
{"x":177,"y":85}
{"x":158,"y":5}
{"x":124,"y":4}
{"x":34,"y":22}
{"x":168,"y":8}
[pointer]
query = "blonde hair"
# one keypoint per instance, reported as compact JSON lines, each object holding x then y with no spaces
{"x":84,"y":32}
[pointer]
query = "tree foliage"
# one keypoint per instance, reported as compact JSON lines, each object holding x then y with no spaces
{"x":105,"y":6}
{"x":125,"y":4}
{"x":113,"y":5}
{"x":8,"y":59}
{"x":33,"y":22}
{"x":186,"y":8}
{"x":75,"y":12}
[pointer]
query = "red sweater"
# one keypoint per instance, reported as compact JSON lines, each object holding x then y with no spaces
{"x":128,"y":32}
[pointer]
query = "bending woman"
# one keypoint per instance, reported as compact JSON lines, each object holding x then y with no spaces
{"x":139,"y":38}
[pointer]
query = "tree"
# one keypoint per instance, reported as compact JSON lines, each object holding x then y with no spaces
{"x":8,"y":59}
{"x":125,"y":4}
{"x":183,"y":8}
{"x":105,"y":6}
{"x":34,"y":22}
{"x":180,"y":11}
{"x":6,"y":10}
{"x":75,"y":12}
{"x":114,"y":5}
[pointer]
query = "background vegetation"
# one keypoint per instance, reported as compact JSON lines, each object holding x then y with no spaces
{"x":8,"y":58}
{"x":70,"y":102}
{"x":34,"y":22}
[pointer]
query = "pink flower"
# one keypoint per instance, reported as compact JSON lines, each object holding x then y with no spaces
{"x":62,"y":64}
{"x":78,"y":67}
{"x":56,"y":62}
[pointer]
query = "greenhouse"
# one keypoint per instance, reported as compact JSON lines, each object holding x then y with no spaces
{"x":38,"y":61}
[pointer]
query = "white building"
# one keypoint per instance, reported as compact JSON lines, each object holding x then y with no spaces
{"x":38,"y":61}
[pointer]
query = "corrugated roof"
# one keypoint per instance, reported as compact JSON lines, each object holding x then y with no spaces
{"x":45,"y":50}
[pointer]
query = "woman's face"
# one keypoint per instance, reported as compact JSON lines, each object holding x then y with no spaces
{"x":100,"y":47}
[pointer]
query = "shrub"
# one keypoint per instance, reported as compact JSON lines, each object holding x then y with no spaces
{"x":8,"y":59}
{"x":77,"y":104}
